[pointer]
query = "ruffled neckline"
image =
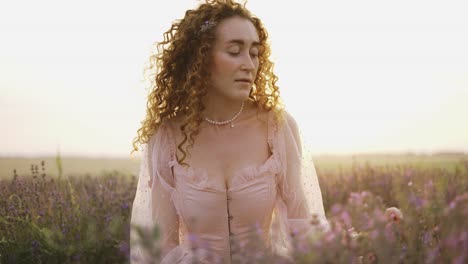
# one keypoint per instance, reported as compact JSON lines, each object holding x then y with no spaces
{"x":199,"y":176}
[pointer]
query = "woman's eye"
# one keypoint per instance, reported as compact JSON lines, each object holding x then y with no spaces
{"x":254,"y":53}
{"x":233,"y":53}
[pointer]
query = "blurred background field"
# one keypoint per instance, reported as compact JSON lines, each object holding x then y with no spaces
{"x":71,"y":165}
{"x":382,"y":209}
{"x":330,"y":163}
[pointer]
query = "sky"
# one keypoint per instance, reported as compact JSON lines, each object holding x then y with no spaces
{"x":358,"y":76}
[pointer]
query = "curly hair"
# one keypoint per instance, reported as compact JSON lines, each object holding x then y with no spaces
{"x":180,"y":73}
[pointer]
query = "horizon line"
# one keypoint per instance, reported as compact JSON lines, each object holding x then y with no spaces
{"x":137,"y":154}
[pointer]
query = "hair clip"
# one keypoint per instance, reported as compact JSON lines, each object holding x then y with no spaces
{"x":207,"y":25}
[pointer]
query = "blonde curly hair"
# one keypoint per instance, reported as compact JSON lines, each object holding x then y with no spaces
{"x":179,"y":72}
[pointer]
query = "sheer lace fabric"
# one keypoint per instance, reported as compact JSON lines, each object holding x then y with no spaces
{"x":271,"y":201}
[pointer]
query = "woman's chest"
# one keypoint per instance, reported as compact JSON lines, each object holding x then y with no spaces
{"x":221,"y":158}
{"x":212,"y":209}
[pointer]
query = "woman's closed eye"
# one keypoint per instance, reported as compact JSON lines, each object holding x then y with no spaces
{"x":237,"y":53}
{"x":234,"y":51}
{"x":254,"y":53}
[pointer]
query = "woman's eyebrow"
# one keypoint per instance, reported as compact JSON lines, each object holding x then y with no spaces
{"x":242,"y":42}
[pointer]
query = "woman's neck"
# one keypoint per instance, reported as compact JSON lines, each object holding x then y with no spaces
{"x":221,"y":110}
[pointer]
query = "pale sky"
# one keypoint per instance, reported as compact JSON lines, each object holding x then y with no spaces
{"x":358,"y":76}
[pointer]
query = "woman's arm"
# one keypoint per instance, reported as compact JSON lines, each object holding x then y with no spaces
{"x":153,"y":204}
{"x":300,"y":188}
{"x":164,"y":213}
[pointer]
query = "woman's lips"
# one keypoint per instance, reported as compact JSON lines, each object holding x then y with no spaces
{"x":244,"y":81}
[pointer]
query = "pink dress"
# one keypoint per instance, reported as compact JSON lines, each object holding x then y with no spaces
{"x":216,"y":225}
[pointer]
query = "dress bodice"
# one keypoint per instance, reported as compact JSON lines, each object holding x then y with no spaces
{"x":263,"y":203}
{"x":222,"y":221}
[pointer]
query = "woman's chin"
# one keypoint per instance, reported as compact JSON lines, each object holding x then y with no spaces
{"x":244,"y":94}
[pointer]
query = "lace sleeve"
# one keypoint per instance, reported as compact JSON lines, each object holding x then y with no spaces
{"x":153,"y":204}
{"x":299,"y":186}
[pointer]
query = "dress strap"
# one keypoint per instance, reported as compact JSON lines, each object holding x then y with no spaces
{"x":271,"y":124}
{"x":171,"y":141}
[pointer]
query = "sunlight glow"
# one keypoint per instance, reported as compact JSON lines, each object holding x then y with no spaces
{"x":360,"y":76}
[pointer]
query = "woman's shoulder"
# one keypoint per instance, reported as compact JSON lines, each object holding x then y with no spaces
{"x":287,"y":122}
{"x":282,"y":116}
{"x":162,"y":135}
{"x":278,"y":115}
{"x":289,"y":119}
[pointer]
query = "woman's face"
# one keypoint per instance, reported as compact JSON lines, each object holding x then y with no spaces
{"x":235,"y":59}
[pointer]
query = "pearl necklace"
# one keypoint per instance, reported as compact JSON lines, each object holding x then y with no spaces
{"x":220,"y":123}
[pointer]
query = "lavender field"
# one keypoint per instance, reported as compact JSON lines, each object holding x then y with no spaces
{"x":385,"y":209}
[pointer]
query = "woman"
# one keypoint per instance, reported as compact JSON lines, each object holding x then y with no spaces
{"x":222,"y":159}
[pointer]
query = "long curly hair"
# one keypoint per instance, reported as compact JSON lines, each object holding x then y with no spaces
{"x":179,"y":72}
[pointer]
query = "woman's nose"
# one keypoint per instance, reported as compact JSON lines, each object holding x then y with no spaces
{"x":247,"y":63}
